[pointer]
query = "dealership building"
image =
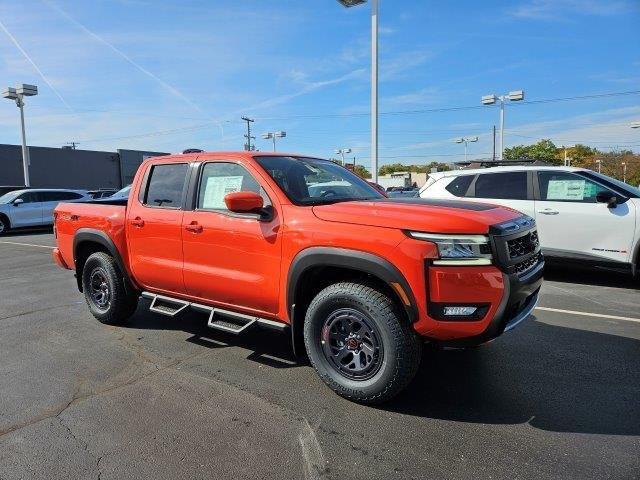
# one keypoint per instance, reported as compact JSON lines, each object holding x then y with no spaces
{"x":71,"y":168}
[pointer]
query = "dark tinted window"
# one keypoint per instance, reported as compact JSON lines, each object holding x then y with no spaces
{"x":58,"y":196}
{"x":460,"y":185}
{"x":166,"y":184}
{"x":221,"y":178}
{"x":507,"y":185}
{"x":30,"y":197}
{"x":568,"y":187}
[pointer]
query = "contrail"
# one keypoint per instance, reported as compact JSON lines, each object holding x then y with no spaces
{"x":26,"y":55}
{"x":126,"y":57}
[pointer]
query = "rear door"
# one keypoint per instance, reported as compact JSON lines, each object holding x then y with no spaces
{"x":571,"y":223}
{"x":154,"y":227}
{"x":28,"y":213}
{"x":511,"y":189}
{"x":231,"y":258}
{"x":50,"y":201}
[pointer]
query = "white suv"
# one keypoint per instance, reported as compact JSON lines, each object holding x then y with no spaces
{"x":581,"y":215}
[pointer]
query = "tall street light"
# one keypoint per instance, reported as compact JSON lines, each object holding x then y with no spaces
{"x":635,"y":125}
{"x":341,"y":152}
{"x":599,"y":162}
{"x":374,"y":81}
{"x":513,"y":96}
{"x":466,"y":144}
{"x":273,"y":136}
{"x":624,"y":172}
{"x":17,"y":94}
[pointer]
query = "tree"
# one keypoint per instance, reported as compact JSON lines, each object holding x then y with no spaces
{"x":399,"y":167}
{"x":361,"y":171}
{"x":545,"y":150}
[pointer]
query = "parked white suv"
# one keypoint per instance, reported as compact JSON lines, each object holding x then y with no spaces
{"x":581,"y":215}
{"x":34,"y":207}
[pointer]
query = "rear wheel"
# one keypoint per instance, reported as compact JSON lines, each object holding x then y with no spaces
{"x":4,"y":225}
{"x":104,"y":290}
{"x":359,"y":343}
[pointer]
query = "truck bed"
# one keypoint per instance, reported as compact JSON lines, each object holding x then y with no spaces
{"x":97,"y":215}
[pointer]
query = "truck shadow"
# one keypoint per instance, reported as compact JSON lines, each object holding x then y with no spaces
{"x":553,"y":378}
{"x":589,"y":276}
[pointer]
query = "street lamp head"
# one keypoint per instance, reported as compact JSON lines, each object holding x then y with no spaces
{"x":516,"y":95}
{"x":267,"y":136}
{"x":351,"y":3}
{"x":10,"y":93}
{"x":489,"y":99}
{"x":635,"y":125}
{"x":474,"y":139}
{"x":459,"y":140}
{"x":280,"y":134}
{"x":26,"y":90}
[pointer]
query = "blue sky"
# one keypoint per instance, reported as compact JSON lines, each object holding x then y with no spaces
{"x":167,"y":75}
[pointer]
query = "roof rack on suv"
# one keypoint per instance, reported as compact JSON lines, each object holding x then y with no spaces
{"x":192,"y":150}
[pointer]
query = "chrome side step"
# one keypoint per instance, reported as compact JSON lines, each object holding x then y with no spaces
{"x":219,"y":318}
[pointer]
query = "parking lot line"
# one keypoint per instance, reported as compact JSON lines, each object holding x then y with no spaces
{"x":587,"y":314}
{"x":28,"y":244}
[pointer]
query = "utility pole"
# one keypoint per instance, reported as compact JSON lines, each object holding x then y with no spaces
{"x":247,"y":146}
{"x":73,"y":145}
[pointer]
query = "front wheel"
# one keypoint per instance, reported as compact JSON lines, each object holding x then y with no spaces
{"x":4,"y":225}
{"x":359,"y":343}
{"x":105,"y":291}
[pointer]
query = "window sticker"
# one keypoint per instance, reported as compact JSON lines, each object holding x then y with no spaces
{"x":590,"y":190}
{"x":217,"y":187}
{"x":566,"y":190}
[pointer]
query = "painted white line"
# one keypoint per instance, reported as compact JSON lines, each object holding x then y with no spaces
{"x":586,"y":314}
{"x":28,"y":244}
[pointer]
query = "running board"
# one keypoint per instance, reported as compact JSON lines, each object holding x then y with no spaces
{"x":219,"y":318}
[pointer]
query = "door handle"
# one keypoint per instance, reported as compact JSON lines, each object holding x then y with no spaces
{"x":549,"y":212}
{"x":137,"y":222}
{"x":193,"y":227}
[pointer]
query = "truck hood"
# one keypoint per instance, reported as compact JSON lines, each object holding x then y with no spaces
{"x":424,"y":215}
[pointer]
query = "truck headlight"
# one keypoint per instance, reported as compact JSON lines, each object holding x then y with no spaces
{"x":458,"y":249}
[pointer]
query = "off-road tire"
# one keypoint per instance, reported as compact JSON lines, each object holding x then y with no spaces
{"x":4,"y":225}
{"x":100,"y":267}
{"x":401,"y":347}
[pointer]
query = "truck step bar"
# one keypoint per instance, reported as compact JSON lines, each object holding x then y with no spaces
{"x":219,"y":318}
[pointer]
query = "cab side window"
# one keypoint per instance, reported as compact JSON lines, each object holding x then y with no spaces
{"x":506,"y":185}
{"x":220,"y":178}
{"x":568,"y":187}
{"x":166,"y":185}
{"x":460,"y":185}
{"x":30,"y":197}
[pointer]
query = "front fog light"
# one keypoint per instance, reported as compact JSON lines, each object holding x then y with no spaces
{"x":459,"y":311}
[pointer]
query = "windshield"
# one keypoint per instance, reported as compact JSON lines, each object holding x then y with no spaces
{"x":629,"y":190}
{"x":310,"y":181}
{"x":9,"y":197}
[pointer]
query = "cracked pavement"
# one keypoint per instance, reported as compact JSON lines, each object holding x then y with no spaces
{"x":167,"y":398}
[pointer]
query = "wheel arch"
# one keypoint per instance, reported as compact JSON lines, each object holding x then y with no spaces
{"x":87,"y":241}
{"x":5,"y":217}
{"x":317,"y":267}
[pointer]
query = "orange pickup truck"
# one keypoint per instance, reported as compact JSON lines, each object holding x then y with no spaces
{"x":304,"y":246}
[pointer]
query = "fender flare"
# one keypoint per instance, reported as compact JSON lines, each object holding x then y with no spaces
{"x":91,"y":235}
{"x":350,"y":259}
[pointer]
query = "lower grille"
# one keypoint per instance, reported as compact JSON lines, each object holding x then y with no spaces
{"x":524,"y":245}
{"x":528,"y":264}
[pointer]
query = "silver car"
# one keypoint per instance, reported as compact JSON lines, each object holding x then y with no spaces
{"x":34,"y":207}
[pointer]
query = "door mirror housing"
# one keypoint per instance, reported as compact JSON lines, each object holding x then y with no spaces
{"x":607,"y":197}
{"x":18,"y":201}
{"x":244,"y":202}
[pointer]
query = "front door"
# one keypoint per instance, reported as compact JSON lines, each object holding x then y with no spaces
{"x":229,"y":258}
{"x":154,"y":228}
{"x":29,"y":212}
{"x":571,"y":222}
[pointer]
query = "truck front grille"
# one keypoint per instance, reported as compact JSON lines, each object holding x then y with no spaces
{"x":521,"y":246}
{"x":516,"y":246}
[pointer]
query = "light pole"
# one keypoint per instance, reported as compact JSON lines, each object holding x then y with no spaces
{"x":466,"y":144}
{"x":17,"y":94}
{"x":624,"y":172}
{"x":341,"y":152}
{"x":273,"y":136}
{"x":374,"y":81}
{"x":514,"y":96}
{"x":635,"y":125}
{"x":599,"y":162}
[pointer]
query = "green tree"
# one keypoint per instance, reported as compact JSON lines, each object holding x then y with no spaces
{"x":361,"y":171}
{"x":400,"y":167}
{"x":545,"y":150}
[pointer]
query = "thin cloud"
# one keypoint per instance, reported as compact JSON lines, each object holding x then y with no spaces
{"x":35,"y":66}
{"x":559,"y":10}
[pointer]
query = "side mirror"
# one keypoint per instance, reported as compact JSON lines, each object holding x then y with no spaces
{"x":18,"y":201}
{"x":607,"y":197}
{"x":243,"y":202}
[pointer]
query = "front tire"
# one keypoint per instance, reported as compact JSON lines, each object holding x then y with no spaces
{"x":359,"y":343}
{"x":4,"y":225}
{"x":105,"y":292}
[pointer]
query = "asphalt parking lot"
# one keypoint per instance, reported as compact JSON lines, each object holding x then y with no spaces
{"x":559,"y":397}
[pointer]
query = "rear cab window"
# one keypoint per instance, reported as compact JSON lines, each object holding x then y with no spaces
{"x":460,"y":185}
{"x":166,"y":185}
